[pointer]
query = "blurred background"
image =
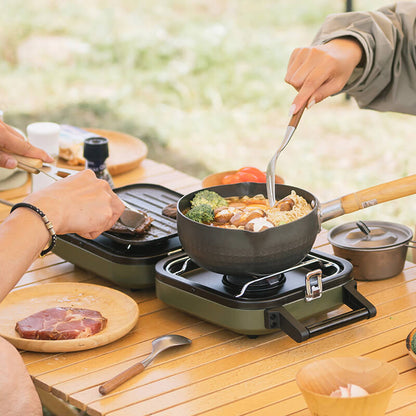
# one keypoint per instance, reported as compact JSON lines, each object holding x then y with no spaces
{"x":202,"y":83}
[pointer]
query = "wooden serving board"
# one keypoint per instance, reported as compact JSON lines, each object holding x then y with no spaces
{"x":126,"y":152}
{"x":121,"y":311}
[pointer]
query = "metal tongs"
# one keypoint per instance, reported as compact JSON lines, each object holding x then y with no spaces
{"x":131,"y":217}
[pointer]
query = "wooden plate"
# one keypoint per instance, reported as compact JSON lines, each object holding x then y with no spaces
{"x":121,"y":311}
{"x":216,"y":178}
{"x":126,"y":152}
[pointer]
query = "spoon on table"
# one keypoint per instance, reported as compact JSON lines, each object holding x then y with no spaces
{"x":131,"y":217}
{"x":271,"y":167}
{"x":158,"y":345}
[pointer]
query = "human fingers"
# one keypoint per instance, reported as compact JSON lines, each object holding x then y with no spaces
{"x":11,"y":141}
{"x":308,"y":71}
{"x":317,"y":86}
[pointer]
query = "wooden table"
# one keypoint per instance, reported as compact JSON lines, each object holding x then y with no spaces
{"x":221,"y":373}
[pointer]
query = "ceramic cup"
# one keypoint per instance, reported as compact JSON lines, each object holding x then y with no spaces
{"x":45,"y":135}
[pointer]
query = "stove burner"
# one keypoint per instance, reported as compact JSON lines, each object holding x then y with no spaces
{"x":266,"y":286}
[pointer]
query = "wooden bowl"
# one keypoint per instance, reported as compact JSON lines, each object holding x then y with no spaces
{"x":319,"y":379}
{"x":408,"y":343}
{"x":216,"y":178}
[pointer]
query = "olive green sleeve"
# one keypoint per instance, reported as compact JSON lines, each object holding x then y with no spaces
{"x":387,"y":79}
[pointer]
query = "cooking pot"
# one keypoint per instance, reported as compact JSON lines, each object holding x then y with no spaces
{"x":247,"y":253}
{"x":376,"y":249}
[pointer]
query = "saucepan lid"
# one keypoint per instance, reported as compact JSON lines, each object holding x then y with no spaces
{"x":369,"y":235}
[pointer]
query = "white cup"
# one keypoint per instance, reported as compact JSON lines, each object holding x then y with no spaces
{"x":45,"y":135}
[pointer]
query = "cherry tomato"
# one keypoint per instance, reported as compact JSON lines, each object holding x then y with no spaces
{"x":246,"y":176}
{"x":239,"y":177}
{"x":260,"y":176}
{"x":229,"y":179}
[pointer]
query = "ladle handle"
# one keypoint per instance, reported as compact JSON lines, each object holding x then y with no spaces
{"x":294,"y":121}
{"x":119,"y":379}
{"x":379,"y":194}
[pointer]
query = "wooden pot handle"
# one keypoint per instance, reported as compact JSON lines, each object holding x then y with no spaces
{"x":378,"y":194}
{"x":125,"y":375}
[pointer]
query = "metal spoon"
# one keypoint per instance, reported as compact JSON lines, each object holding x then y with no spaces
{"x":158,"y":345}
{"x":271,"y":167}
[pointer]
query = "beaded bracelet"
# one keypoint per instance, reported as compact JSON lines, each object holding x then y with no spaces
{"x":48,"y":224}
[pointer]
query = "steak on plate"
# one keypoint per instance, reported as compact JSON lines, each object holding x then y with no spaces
{"x":61,"y":323}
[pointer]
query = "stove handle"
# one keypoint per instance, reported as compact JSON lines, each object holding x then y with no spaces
{"x":361,"y":309}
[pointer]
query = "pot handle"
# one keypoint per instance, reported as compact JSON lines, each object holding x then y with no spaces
{"x":368,"y":197}
{"x":361,"y":309}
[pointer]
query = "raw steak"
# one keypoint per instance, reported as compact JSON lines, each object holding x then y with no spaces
{"x":61,"y":323}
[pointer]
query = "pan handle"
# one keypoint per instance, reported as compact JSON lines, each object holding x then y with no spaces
{"x":365,"y":198}
{"x":280,"y":317}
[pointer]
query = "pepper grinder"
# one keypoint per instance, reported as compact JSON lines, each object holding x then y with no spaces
{"x":95,"y":154}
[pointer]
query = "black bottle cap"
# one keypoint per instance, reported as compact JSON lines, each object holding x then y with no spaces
{"x":96,"y":149}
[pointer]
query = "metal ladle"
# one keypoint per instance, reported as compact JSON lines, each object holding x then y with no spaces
{"x":158,"y":345}
{"x":271,"y":167}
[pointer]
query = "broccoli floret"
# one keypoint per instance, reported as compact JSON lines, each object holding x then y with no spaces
{"x":208,"y":197}
{"x":201,"y":213}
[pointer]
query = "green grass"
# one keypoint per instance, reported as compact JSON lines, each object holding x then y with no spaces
{"x":202,"y":83}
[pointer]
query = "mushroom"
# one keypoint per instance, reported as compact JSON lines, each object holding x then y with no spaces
{"x":223,"y":215}
{"x":258,"y":224}
{"x":285,"y":204}
{"x":241,"y":218}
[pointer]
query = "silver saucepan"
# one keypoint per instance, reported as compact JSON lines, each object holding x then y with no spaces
{"x":247,"y":253}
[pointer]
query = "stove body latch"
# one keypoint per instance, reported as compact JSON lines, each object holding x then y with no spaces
{"x":313,"y":283}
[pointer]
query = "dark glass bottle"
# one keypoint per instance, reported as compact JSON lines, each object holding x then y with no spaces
{"x":95,"y":154}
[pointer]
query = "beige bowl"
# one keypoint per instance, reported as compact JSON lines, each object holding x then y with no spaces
{"x":319,"y":379}
{"x":216,"y":178}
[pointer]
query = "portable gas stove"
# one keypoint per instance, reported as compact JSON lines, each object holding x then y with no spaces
{"x":127,"y":260}
{"x":288,"y":300}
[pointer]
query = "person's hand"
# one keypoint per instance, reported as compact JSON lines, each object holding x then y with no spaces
{"x":13,"y":142}
{"x":320,"y":71}
{"x":80,"y":204}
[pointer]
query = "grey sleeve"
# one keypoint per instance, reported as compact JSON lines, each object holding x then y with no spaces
{"x":387,"y":80}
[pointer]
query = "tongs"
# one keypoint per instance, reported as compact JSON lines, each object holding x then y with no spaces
{"x":131,"y":217}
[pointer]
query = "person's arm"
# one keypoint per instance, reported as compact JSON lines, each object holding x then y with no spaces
{"x":79,"y":204}
{"x":385,"y":79}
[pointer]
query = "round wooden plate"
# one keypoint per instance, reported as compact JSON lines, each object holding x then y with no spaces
{"x":126,"y":152}
{"x":121,"y":311}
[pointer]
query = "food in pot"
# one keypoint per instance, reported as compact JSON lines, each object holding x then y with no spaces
{"x":210,"y":198}
{"x":203,"y":205}
{"x":61,"y":323}
{"x":248,"y":213}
